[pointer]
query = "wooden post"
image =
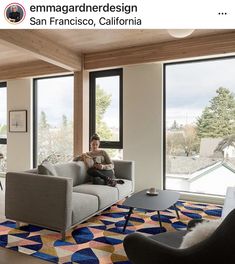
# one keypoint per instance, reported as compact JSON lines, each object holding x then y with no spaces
{"x":78,"y":113}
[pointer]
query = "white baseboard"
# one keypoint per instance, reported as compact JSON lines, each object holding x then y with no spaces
{"x":203,"y":198}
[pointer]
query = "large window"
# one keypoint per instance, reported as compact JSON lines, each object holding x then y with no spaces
{"x":3,"y":127}
{"x":106,"y":109}
{"x":53,"y":119}
{"x":200,"y":126}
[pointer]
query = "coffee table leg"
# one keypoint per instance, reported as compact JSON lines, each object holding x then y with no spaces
{"x":177,"y":213}
{"x":159,"y":218}
{"x":127,"y":218}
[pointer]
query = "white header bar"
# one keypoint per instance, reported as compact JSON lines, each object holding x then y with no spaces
{"x":120,"y":14}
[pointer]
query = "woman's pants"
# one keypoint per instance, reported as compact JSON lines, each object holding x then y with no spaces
{"x":100,"y":176}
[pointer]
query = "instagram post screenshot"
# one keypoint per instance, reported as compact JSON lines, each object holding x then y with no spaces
{"x":117,"y":132}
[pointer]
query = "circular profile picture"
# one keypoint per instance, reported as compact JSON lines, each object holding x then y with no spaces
{"x":14,"y":13}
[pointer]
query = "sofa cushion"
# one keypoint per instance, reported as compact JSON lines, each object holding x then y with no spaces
{"x":74,"y":170}
{"x":124,"y":189}
{"x":106,"y":195}
{"x":47,"y":168}
{"x":83,"y":205}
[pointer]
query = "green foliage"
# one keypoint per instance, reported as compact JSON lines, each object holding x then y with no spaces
{"x":103,"y":101}
{"x":175,"y":125}
{"x":3,"y":129}
{"x":175,"y":143}
{"x":182,"y":141}
{"x":191,"y":140}
{"x":55,"y":143}
{"x":64,"y":121}
{"x":43,"y":121}
{"x":217,"y":119}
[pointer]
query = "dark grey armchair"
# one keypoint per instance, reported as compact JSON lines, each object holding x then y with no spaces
{"x":164,"y":248}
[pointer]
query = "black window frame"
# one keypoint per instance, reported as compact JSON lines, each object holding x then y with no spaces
{"x":164,"y":114}
{"x":35,"y":114}
{"x":92,"y":118}
{"x":3,"y":141}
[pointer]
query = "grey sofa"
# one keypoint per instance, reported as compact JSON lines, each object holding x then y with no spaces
{"x":63,"y":201}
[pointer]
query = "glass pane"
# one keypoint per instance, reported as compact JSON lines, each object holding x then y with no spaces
{"x":3,"y":128}
{"x":3,"y":112}
{"x":116,"y":154}
{"x":3,"y":158}
{"x":107,"y":108}
{"x":55,"y":119}
{"x":200,"y":126}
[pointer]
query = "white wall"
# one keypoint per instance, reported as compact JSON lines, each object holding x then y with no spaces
{"x":142,"y":113}
{"x":19,"y":145}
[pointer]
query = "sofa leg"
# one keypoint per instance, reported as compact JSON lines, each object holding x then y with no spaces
{"x":63,"y":235}
{"x":17,"y":224}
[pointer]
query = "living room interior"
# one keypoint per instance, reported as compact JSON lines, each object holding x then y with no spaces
{"x":46,"y":72}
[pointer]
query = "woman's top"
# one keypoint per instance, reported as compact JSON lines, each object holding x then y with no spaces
{"x":96,"y":157}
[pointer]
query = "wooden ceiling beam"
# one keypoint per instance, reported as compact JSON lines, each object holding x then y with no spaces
{"x":41,"y":48}
{"x":29,"y":69}
{"x":170,"y":50}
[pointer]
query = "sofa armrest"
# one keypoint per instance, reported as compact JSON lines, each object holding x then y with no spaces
{"x":39,"y":199}
{"x":124,"y":169}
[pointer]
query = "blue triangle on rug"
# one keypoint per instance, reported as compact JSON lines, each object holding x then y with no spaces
{"x":108,"y":240}
{"x":102,"y":235}
{"x":22,"y":235}
{"x":103,"y":227}
{"x":59,"y":243}
{"x":36,"y":238}
{"x":84,"y":255}
{"x":105,"y":222}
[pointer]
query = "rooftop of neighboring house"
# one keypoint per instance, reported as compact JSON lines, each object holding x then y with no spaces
{"x":183,"y":165}
{"x":188,"y":165}
{"x":208,"y":146}
{"x":226,"y":142}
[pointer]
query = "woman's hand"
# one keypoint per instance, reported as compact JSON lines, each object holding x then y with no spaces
{"x":98,"y":166}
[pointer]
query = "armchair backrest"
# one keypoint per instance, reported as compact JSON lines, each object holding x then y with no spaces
{"x":216,"y":249}
{"x":229,"y":202}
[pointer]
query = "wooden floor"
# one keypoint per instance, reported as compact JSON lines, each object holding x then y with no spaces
{"x":8,"y":256}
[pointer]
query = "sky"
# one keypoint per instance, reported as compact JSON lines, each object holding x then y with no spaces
{"x":55,"y":101}
{"x":190,"y":86}
{"x":55,"y":98}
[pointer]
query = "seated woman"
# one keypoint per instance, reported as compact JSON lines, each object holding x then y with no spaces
{"x":100,"y":166}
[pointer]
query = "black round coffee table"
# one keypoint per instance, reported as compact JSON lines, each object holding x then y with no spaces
{"x":160,"y":202}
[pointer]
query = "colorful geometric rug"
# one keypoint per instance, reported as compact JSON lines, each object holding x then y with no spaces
{"x":99,"y":240}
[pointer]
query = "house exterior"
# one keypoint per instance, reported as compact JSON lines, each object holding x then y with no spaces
{"x":208,"y":146}
{"x":219,"y":147}
{"x":214,"y":179}
{"x":200,"y":175}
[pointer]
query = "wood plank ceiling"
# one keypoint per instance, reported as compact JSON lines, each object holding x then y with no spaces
{"x":40,"y":52}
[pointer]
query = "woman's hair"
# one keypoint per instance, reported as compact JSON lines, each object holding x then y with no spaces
{"x":14,"y":6}
{"x":95,"y":137}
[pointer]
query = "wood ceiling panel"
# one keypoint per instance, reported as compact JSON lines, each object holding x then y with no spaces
{"x":9,"y":55}
{"x":88,"y":41}
{"x":33,"y":43}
